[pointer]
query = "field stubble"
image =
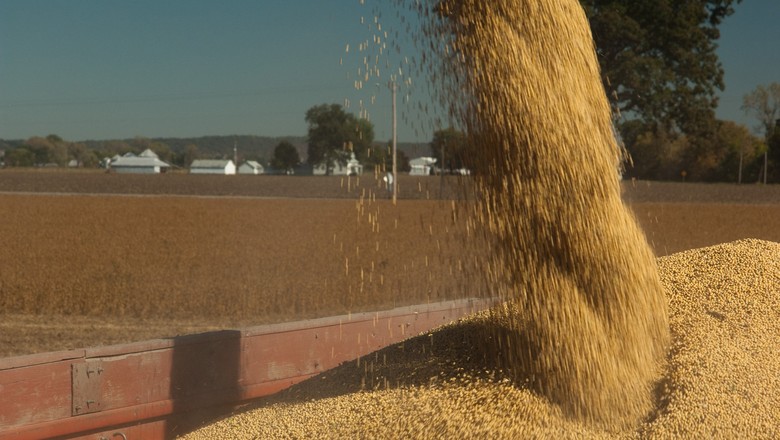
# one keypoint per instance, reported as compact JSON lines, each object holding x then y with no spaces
{"x":81,"y":270}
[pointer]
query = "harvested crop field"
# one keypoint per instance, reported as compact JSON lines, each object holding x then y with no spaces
{"x":91,"y":258}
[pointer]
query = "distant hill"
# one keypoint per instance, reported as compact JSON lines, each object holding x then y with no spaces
{"x":260,"y":148}
{"x":415,"y":149}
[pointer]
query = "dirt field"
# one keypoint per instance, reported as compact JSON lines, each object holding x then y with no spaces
{"x":176,"y":183}
{"x":85,"y":261}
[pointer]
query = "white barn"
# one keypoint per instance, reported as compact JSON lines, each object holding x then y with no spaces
{"x":422,"y":166}
{"x":251,"y":167}
{"x":147,"y":163}
{"x":203,"y":166}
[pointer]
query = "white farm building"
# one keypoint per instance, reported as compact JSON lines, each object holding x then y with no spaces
{"x":352,"y":168}
{"x":251,"y":167}
{"x":203,"y":166}
{"x":422,"y":166}
{"x":145,"y":163}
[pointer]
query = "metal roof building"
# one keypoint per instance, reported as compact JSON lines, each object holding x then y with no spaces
{"x":138,"y":165}
{"x":251,"y":167}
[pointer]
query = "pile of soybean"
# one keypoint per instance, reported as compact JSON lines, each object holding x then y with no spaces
{"x":722,"y":378}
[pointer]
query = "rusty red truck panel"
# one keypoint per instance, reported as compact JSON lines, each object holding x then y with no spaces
{"x":154,"y":389}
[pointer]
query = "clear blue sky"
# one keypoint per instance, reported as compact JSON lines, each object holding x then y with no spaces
{"x":749,"y":49}
{"x":104,"y":69}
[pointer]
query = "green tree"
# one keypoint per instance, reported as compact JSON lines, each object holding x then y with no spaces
{"x":658,"y":59}
{"x":380,"y":158}
{"x":773,"y":151}
{"x":738,"y":151}
{"x":185,"y":158}
{"x":285,"y":156}
{"x":731,"y":155}
{"x":653,"y":153}
{"x":450,"y":148}
{"x":51,"y":149}
{"x":362,"y":137}
{"x":20,"y":157}
{"x":334,"y":134}
{"x":162,"y":150}
{"x":403,"y":162}
{"x":724,"y":156}
{"x":140,"y":143}
{"x":764,"y":104}
{"x":83,"y":155}
{"x":111,"y":148}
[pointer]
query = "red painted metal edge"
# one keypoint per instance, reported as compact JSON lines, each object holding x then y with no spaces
{"x":136,"y":389}
{"x":39,"y":358}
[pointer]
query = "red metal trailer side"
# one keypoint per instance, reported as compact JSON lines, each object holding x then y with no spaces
{"x":156,"y":389}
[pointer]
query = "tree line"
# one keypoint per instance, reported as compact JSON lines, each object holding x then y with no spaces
{"x":335,"y":136}
{"x":52,"y":150}
{"x":661,"y":74}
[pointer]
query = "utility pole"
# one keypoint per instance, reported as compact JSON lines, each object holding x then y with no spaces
{"x":739,"y":176}
{"x":394,"y":175}
{"x":441,"y":169}
{"x":395,"y":142}
{"x":235,"y":154}
{"x":765,"y":166}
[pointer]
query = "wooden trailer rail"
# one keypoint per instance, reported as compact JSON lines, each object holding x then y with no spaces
{"x":155,"y":389}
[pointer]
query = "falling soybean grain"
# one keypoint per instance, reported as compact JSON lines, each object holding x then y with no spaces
{"x":587,"y":307}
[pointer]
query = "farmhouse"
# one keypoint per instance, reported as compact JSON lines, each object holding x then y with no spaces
{"x":251,"y":167}
{"x":146,"y":163}
{"x":422,"y":166}
{"x":203,"y":166}
{"x":352,"y":168}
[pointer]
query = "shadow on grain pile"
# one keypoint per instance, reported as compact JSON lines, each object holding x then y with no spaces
{"x":426,"y":360}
